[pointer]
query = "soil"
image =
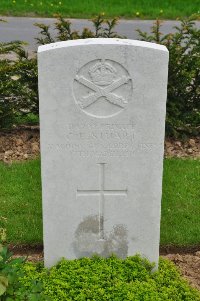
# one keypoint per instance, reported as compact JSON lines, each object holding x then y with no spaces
{"x":19,"y":144}
{"x":23,"y":143}
{"x":189,"y":265}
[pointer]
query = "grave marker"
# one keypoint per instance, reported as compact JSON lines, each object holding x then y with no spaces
{"x":102,"y":115}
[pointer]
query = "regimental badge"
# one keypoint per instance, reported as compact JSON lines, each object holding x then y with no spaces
{"x":102,"y":88}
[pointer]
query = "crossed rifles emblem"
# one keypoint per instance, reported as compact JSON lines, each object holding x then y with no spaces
{"x":102,"y":92}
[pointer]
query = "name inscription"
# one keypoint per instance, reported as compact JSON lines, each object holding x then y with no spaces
{"x":100,"y":140}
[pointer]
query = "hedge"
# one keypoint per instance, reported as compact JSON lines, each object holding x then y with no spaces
{"x":18,"y":71}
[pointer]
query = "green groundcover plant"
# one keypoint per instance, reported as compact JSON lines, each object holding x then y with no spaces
{"x":92,"y":279}
{"x":19,"y":78}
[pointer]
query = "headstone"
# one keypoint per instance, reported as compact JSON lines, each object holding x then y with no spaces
{"x":102,"y":114}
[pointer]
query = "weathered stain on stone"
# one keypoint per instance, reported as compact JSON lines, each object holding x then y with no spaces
{"x":117,"y":241}
{"x":87,"y":242}
{"x":90,"y":224}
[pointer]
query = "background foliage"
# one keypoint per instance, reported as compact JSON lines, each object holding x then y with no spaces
{"x":183,"y":100}
{"x":18,"y":72}
{"x":18,"y":83}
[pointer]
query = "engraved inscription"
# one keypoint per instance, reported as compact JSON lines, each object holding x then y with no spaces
{"x":101,"y":140}
{"x":97,"y":140}
{"x":101,"y":192}
{"x":102,"y":88}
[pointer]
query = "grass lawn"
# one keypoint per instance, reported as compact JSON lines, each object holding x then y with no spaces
{"x":180,"y":222}
{"x":20,"y":202}
{"x":144,"y":9}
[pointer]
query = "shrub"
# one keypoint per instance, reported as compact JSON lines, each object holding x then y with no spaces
{"x":7,"y":111}
{"x":103,"y":279}
{"x":18,"y":87}
{"x":183,"y":100}
{"x":18,"y":71}
{"x":103,"y":28}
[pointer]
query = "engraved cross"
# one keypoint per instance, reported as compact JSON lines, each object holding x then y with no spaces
{"x":101,"y":193}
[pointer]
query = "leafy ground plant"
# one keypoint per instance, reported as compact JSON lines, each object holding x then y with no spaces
{"x":108,"y":279}
{"x":11,"y":271}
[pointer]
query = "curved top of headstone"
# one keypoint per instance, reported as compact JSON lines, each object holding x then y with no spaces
{"x":100,"y":41}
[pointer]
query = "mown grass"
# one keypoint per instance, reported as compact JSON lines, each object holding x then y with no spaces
{"x":180,"y":222}
{"x":150,"y":9}
{"x":20,"y":202}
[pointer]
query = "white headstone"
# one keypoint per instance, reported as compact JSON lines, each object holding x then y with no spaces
{"x":102,"y":114}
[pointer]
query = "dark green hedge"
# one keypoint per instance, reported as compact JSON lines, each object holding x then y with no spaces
{"x":18,"y":75}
